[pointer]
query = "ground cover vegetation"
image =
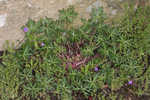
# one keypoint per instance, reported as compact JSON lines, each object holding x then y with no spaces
{"x":91,"y":61}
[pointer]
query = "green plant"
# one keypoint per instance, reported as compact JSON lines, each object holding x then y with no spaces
{"x":58,"y":60}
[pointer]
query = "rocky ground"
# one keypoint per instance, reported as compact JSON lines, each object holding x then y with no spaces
{"x":15,"y":13}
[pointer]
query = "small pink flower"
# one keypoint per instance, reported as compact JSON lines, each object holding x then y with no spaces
{"x":96,"y":69}
{"x":130,"y":82}
{"x":25,"y":29}
{"x":42,"y":44}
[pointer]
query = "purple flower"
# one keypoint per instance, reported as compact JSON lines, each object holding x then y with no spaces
{"x":130,"y":82}
{"x":42,"y":44}
{"x":25,"y":29}
{"x":96,"y":69}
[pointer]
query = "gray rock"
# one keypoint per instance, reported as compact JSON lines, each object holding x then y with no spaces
{"x":96,"y":5}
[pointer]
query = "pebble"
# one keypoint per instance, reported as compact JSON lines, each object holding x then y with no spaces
{"x":3,"y":0}
{"x":114,"y":12}
{"x":96,"y":5}
{"x":3,"y":18}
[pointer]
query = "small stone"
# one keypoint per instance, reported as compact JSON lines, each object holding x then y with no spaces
{"x":52,"y":2}
{"x":96,"y":5}
{"x":114,"y":12}
{"x":70,"y":2}
{"x":89,"y":9}
{"x":3,"y":20}
{"x":3,"y":0}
